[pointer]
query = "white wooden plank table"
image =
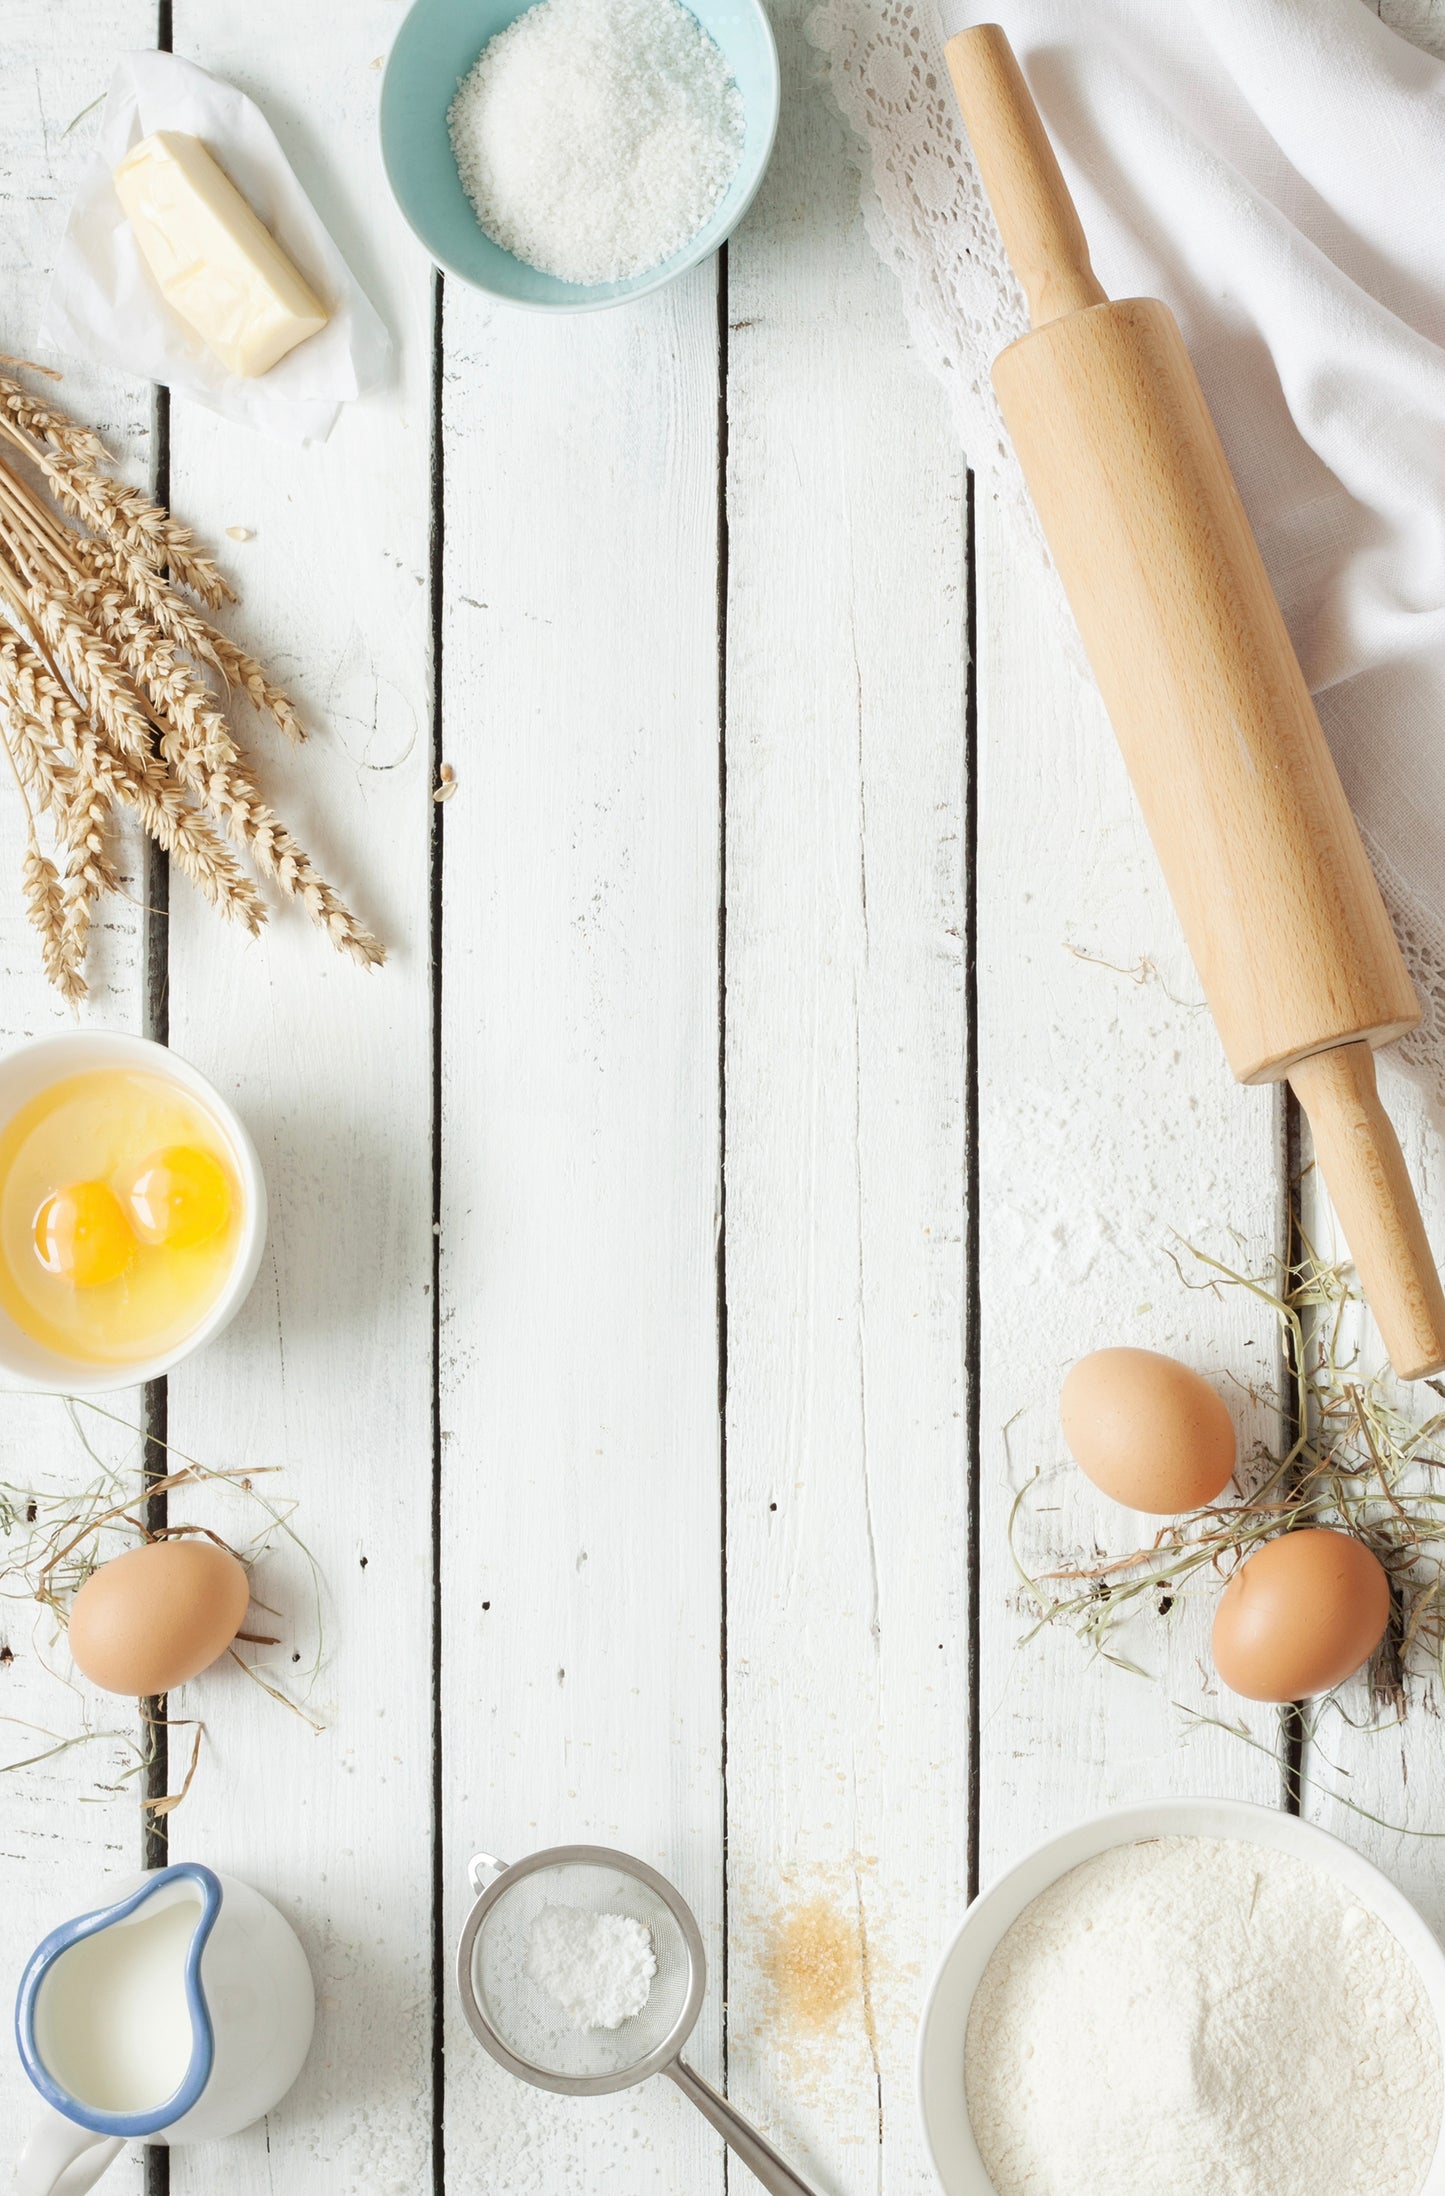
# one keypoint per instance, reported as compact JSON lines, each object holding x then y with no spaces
{"x":677,"y":1248}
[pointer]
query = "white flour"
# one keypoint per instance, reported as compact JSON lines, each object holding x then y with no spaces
{"x":1208,"y":2018}
{"x":598,"y":1967}
{"x":594,"y":137}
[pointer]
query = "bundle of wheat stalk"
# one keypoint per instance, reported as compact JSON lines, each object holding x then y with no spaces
{"x":113,"y":683}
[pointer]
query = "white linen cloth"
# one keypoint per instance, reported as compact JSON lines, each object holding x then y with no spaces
{"x":1275,"y":170}
{"x":104,"y":302}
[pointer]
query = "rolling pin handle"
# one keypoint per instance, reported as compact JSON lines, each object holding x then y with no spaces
{"x":1041,"y":230}
{"x":1364,"y":1170}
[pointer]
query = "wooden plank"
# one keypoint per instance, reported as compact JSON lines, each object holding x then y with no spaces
{"x":326,"y":1374}
{"x":1375,"y":1781}
{"x":580,"y":1513}
{"x":69,"y":1829}
{"x":846,"y":1165}
{"x":1391,"y":1772}
{"x":1111,"y":1134}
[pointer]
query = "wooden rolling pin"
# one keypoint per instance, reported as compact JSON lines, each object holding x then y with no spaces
{"x":1239,"y":790}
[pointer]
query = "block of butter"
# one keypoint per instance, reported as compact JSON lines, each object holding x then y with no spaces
{"x":217,"y":264}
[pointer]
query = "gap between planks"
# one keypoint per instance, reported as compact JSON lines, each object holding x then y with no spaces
{"x":723,"y":340}
{"x":437,"y":585}
{"x":973,"y":1292}
{"x":155,"y":1837}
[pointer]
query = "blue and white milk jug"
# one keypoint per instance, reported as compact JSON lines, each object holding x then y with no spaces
{"x":181,"y":2012}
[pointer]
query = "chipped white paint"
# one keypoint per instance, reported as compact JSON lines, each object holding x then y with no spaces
{"x":580,"y":1560}
{"x":847,"y":1432}
{"x":55,"y":1858}
{"x":1110,"y":1135}
{"x":327,"y":1374}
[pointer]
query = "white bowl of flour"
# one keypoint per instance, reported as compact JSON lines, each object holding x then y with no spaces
{"x":1198,"y":1996}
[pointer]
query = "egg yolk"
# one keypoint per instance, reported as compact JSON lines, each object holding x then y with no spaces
{"x":180,"y":1197}
{"x":81,"y":1235}
{"x":120,"y":1216}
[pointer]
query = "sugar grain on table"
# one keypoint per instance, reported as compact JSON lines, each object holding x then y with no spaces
{"x":595,"y":137}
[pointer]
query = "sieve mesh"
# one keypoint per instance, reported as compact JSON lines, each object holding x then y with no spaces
{"x":528,"y":2020}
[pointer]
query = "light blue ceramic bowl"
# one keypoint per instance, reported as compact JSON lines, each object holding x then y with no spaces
{"x":436,"y":46}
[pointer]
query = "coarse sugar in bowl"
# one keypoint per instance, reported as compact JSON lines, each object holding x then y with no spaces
{"x":438,"y":117}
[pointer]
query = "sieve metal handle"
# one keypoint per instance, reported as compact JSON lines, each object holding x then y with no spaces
{"x":483,"y":1869}
{"x":760,"y":2158}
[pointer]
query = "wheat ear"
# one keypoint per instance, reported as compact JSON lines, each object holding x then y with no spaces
{"x":240,"y":669}
{"x":231,"y":794}
{"x":198,"y":745}
{"x":43,"y":772}
{"x":88,"y":870}
{"x":40,"y":886}
{"x":192,"y":844}
{"x":94,"y":671}
{"x":193,"y":722}
{"x":48,"y":423}
{"x":129,"y":520}
{"x":45,"y":907}
{"x":32,"y":688}
{"x":140,"y":784}
{"x":176,"y":621}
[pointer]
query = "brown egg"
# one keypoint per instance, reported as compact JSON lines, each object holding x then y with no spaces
{"x":152,"y":1618}
{"x":1147,"y":1430}
{"x":1300,"y":1616}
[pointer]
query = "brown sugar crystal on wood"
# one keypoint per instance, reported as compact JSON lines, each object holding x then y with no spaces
{"x":813,"y":1965}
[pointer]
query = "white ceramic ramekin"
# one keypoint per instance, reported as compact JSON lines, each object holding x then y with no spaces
{"x":33,"y":1067}
{"x":945,"y":2014}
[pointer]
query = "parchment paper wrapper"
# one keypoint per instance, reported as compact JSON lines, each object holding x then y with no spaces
{"x":104,"y":303}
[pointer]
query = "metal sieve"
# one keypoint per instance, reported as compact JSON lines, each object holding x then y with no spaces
{"x":531,"y":2035}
